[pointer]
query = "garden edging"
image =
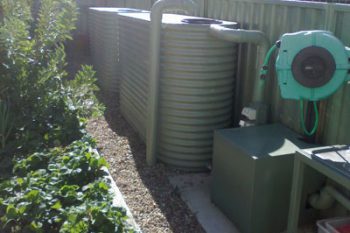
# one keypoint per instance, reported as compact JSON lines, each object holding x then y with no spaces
{"x":118,"y":200}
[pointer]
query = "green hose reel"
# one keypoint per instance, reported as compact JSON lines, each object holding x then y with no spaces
{"x":311,"y":65}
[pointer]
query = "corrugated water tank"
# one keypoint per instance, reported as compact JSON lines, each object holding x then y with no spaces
{"x":104,"y":45}
{"x":134,"y":60}
{"x":196,"y":84}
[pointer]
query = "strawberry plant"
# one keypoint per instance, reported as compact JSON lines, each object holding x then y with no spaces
{"x":60,"y":190}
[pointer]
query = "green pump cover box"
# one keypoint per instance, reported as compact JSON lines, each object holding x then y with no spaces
{"x":252,"y":175}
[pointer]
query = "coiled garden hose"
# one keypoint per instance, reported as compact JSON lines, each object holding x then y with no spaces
{"x":263,"y":73}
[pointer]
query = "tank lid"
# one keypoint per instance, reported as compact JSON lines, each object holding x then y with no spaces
{"x":115,"y":10}
{"x":201,"y":21}
{"x":174,"y":20}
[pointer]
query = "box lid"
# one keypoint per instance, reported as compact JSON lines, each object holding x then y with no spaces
{"x":264,"y":141}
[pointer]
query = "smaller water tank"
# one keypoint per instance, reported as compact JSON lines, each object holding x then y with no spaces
{"x":104,"y":45}
{"x":196,"y":90}
{"x":196,"y":84}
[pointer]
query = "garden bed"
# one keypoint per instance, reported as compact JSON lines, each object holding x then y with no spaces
{"x":61,"y":190}
{"x":52,"y":178}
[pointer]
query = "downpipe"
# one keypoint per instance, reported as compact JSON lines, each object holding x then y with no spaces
{"x":157,"y":11}
{"x":256,"y":112}
{"x":258,"y":38}
{"x":326,"y":198}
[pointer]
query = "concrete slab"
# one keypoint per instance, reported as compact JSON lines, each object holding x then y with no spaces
{"x":195,"y":191}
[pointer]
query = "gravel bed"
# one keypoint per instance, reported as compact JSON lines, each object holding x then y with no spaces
{"x":154,"y":203}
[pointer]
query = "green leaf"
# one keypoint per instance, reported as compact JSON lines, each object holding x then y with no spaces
{"x":22,"y":207}
{"x":11,"y":212}
{"x":36,"y":227}
{"x":68,"y":188}
{"x":103,"y":186}
{"x":80,"y":227}
{"x":57,"y":206}
{"x":102,"y":162}
{"x":20,"y":181}
{"x":32,"y":195}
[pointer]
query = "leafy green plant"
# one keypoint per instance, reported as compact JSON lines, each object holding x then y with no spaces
{"x":48,"y":108}
{"x":59,"y":186}
{"x":80,"y":93}
{"x":60,"y":190}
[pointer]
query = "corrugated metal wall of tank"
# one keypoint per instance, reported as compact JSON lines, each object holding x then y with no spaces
{"x":96,"y":51}
{"x":276,"y":18}
{"x":196,"y":91}
{"x":134,"y":59}
{"x":196,"y":86}
{"x":92,"y":21}
{"x":104,"y":45}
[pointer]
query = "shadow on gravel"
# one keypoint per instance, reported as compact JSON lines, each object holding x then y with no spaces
{"x":180,"y":218}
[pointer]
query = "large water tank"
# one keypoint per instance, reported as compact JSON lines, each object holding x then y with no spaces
{"x":196,"y":85}
{"x":104,"y":45}
{"x":134,"y":60}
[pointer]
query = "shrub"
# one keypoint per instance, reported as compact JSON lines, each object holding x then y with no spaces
{"x":48,"y":109}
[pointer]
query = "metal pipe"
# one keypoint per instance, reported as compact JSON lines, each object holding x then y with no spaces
{"x":321,"y":201}
{"x":156,"y":23}
{"x":246,"y":36}
{"x":326,"y":198}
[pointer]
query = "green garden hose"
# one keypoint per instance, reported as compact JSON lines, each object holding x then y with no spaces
{"x":302,"y":121}
{"x":265,"y":65}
